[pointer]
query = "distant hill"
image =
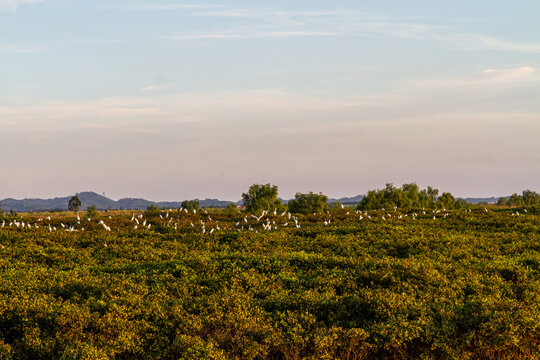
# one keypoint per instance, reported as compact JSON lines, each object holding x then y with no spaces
{"x":489,"y":200}
{"x":101,"y":202}
{"x":348,"y":200}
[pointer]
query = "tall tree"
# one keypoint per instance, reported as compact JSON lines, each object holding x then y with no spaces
{"x":261,"y":197}
{"x":74,"y":203}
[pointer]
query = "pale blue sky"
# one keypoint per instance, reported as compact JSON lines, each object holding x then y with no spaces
{"x":172,"y":100}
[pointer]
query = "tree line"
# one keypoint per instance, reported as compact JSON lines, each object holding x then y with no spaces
{"x":264,"y":197}
{"x":527,"y":198}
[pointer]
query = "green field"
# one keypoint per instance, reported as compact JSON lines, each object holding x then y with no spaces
{"x":437,"y":285}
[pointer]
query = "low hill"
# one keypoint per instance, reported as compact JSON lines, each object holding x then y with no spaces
{"x":90,"y":198}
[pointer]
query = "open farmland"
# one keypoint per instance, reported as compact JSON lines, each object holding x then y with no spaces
{"x":218,"y":285}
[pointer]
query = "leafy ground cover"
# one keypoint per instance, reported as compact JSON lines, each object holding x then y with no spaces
{"x":346,"y":284}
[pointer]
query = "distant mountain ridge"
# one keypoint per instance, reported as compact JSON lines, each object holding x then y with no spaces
{"x":489,"y":200}
{"x":101,"y":202}
{"x":90,"y":198}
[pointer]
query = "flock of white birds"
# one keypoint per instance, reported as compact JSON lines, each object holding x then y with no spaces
{"x":203,"y":221}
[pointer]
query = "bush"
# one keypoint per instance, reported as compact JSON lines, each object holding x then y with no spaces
{"x":92,"y":212}
{"x":308,"y":203}
{"x":152,"y":210}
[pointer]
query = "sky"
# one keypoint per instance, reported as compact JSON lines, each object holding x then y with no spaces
{"x":174,"y":100}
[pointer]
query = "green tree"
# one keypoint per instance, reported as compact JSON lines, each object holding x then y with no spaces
{"x":514,"y":200}
{"x":460,"y":204}
{"x":391,"y":196}
{"x":446,"y":201}
{"x":261,"y":197}
{"x":432,"y":195}
{"x":530,"y":198}
{"x":407,"y":197}
{"x":190,"y":205}
{"x":74,"y":203}
{"x":411,"y":196}
{"x":308,"y":203}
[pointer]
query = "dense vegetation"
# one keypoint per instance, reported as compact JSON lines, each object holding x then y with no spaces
{"x":227,"y":285}
{"x":409,"y":196}
{"x":308,"y":203}
{"x":527,"y":198}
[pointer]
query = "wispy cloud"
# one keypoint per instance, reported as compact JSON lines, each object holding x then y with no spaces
{"x":158,"y":87}
{"x":485,"y":82}
{"x":23,"y":49}
{"x":270,"y":23}
{"x":158,"y":7}
{"x":12,"y":5}
{"x":500,"y":44}
{"x":251,"y":35}
{"x":509,"y":74}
